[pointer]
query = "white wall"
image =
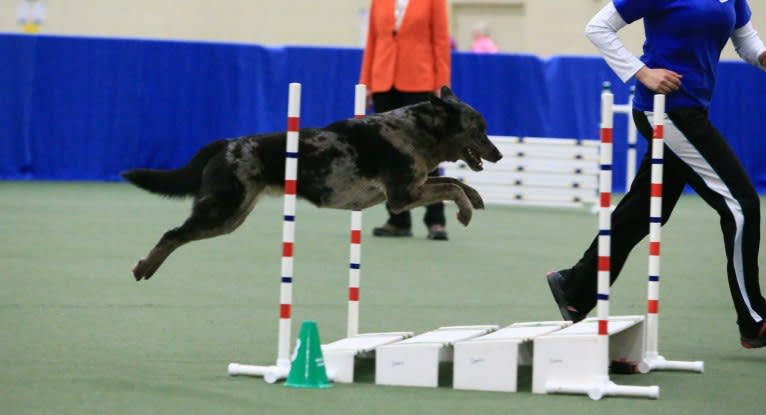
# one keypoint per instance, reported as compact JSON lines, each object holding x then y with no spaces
{"x":542,"y":27}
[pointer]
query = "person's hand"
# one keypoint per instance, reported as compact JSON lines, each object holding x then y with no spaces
{"x":762,"y":59}
{"x":661,"y":81}
{"x":438,"y":93}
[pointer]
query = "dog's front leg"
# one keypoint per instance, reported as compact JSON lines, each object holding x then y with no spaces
{"x":429,"y":194}
{"x":476,"y":201}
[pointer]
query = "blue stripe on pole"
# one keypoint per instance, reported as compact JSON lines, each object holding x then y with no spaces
{"x":604,"y":232}
{"x":604,"y":297}
{"x":354,"y":266}
{"x":656,"y":161}
{"x":289,"y":218}
{"x":653,"y":219}
{"x":632,"y":145}
{"x":287,"y":280}
{"x":654,"y":278}
{"x":291,"y":155}
{"x":606,"y":167}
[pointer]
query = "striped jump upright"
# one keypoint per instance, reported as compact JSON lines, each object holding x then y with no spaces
{"x":288,"y":224}
{"x":355,"y":250}
{"x":655,"y":224}
{"x":605,"y":223}
{"x":652,"y":358}
{"x":281,"y":369}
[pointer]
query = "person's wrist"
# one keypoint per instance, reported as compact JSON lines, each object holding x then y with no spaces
{"x":762,"y":59}
{"x":641,"y":72}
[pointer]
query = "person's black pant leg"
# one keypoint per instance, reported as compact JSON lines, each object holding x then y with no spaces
{"x":717,"y":175}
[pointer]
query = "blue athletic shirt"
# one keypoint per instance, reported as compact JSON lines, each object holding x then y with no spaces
{"x":684,"y":36}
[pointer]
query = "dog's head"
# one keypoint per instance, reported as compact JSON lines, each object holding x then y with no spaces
{"x":466,"y":132}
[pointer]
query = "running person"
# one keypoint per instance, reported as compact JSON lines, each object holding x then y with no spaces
{"x":683,"y":43}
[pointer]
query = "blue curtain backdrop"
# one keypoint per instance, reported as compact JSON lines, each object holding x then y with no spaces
{"x":75,"y":108}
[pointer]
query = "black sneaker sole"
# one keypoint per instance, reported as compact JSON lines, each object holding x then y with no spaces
{"x":555,"y":281}
{"x":438,"y":236}
{"x":755,"y":343}
{"x":399,"y":233}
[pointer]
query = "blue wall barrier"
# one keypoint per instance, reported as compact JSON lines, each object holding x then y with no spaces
{"x":75,"y":108}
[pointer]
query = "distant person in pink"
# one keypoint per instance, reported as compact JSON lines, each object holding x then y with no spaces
{"x":482,"y":42}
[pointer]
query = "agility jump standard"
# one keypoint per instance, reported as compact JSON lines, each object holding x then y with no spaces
{"x":652,"y":359}
{"x":279,"y":371}
{"x":355,"y":249}
{"x":593,"y":366}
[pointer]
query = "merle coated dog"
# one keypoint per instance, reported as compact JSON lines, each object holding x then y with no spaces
{"x":350,"y":164}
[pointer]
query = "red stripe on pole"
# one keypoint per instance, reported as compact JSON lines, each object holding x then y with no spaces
{"x":603,"y":327}
{"x":353,"y":293}
{"x":356,"y":236}
{"x":659,"y":131}
{"x":603,"y":263}
{"x":656,"y":190}
{"x":293,"y":124}
{"x":653,"y":306}
{"x":654,"y":248}
{"x":287,"y":249}
{"x":285,"y":310}
{"x":606,"y":199}
{"x":291,"y":186}
{"x":358,"y":116}
{"x":606,"y":135}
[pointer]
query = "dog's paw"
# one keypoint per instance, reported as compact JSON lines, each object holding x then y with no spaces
{"x":473,"y":196}
{"x":143,"y":270}
{"x":464,"y":216}
{"x":476,"y":201}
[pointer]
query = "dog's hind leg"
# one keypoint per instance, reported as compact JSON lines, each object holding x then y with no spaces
{"x":476,"y":201}
{"x":213,"y":214}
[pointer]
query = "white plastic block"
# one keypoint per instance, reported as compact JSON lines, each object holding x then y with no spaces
{"x":340,"y":356}
{"x":572,"y":356}
{"x":415,"y":361}
{"x":491,"y":362}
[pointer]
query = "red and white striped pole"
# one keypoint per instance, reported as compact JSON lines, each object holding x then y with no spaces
{"x":605,"y":226}
{"x":355,"y":250}
{"x":288,"y":225}
{"x":655,"y":225}
{"x":281,"y":369}
{"x":652,"y":359}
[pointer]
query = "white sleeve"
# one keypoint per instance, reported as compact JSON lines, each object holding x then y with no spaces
{"x":602,"y":32}
{"x":747,"y":44}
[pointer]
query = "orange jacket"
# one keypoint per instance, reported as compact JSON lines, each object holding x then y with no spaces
{"x":414,"y":59}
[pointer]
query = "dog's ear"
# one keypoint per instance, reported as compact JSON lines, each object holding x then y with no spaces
{"x":437,"y":102}
{"x":447,"y":94}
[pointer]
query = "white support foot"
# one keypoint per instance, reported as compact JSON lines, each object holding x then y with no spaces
{"x":271,"y":374}
{"x":604,"y":387}
{"x":653,"y":361}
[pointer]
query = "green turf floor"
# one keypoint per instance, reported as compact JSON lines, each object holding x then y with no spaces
{"x":79,"y":336}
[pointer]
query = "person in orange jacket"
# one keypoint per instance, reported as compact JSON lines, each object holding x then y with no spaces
{"x":406,"y":59}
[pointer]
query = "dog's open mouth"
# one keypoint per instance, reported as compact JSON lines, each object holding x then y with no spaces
{"x":472,"y":159}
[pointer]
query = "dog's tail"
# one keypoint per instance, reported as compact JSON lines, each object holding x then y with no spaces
{"x":176,"y":183}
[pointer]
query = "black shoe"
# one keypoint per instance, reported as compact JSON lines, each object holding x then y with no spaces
{"x":556,"y":282}
{"x":754,"y":342}
{"x":391,"y":230}
{"x":437,"y":233}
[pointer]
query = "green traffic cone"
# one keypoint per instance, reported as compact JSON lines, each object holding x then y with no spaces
{"x":307,"y":369}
